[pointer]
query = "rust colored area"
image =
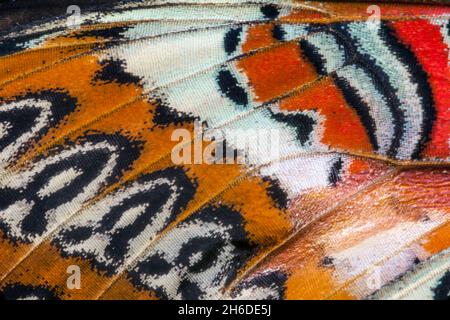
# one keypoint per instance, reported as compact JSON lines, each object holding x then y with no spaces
{"x":343,"y":129}
{"x":277,"y":71}
{"x":259,"y":36}
{"x":416,"y":198}
{"x":45,"y":266}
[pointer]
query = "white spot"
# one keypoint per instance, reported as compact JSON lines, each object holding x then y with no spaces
{"x":4,"y":127}
{"x":59,"y":181}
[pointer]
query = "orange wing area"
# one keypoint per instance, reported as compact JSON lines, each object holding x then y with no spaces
{"x":328,"y":241}
{"x":327,"y":99}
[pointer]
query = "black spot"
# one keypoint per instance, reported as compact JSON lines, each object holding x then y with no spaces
{"x":275,"y":280}
{"x":230,"y":87}
{"x":232,"y":39}
{"x":77,"y":235}
{"x":208,"y":250}
{"x":225,"y":152}
{"x":189,"y":290}
{"x":107,"y":33}
{"x":335,"y":172}
{"x":278,"y":32}
{"x":327,"y":261}
{"x":165,"y":115}
{"x":302,"y":123}
{"x":277,"y":193}
{"x":155,"y":265}
{"x":313,"y":55}
{"x":13,"y":45}
{"x":270,"y":11}
{"x":22,"y":119}
{"x":10,"y":46}
{"x":113,"y":70}
{"x":18,"y":291}
{"x":442,"y":290}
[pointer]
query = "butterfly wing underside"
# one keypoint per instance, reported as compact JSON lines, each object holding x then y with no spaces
{"x":333,"y":131}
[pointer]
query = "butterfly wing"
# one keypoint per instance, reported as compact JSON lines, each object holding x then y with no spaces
{"x":174,"y":150}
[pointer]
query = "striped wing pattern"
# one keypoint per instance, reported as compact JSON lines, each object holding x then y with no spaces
{"x":355,"y":204}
